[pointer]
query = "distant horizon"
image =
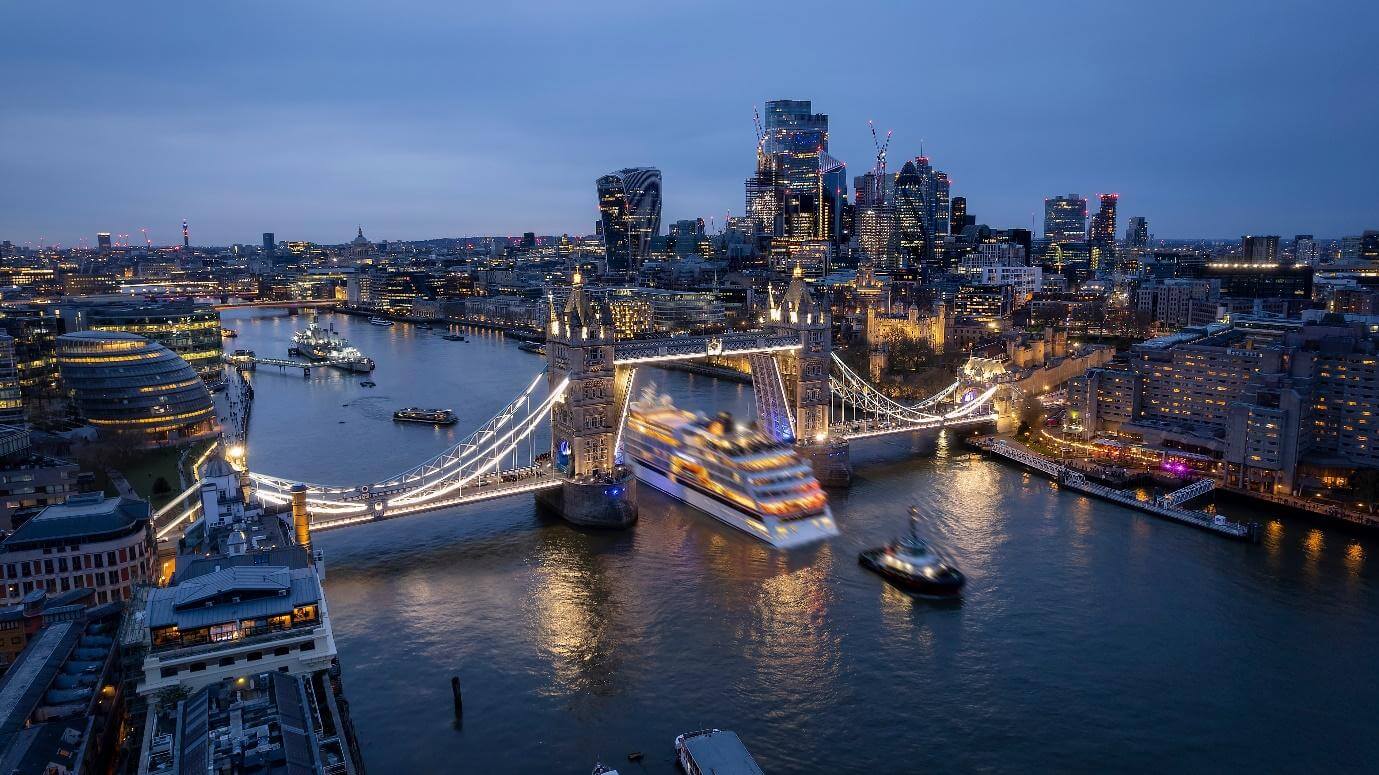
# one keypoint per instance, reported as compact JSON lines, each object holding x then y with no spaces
{"x":455,"y":119}
{"x":91,"y":243}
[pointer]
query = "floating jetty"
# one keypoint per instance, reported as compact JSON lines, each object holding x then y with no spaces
{"x":1166,"y":506}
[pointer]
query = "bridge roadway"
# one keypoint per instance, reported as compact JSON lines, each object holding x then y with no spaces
{"x":872,"y":428}
{"x":495,"y":486}
{"x":284,"y":362}
{"x":290,"y":304}
{"x":635,"y":351}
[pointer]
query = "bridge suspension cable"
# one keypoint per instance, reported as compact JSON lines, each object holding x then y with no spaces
{"x":473,"y":465}
{"x":431,"y":470}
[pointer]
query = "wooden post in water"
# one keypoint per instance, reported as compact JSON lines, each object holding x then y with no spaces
{"x":455,"y":691}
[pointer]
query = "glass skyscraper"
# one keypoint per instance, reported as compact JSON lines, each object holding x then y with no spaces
{"x":630,"y":214}
{"x":798,"y":190}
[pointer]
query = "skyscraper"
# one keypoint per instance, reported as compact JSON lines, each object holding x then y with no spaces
{"x":1137,"y":232}
{"x":1065,"y":219}
{"x":798,"y":190}
{"x":1103,"y":232}
{"x":103,"y":242}
{"x":942,"y":211}
{"x":958,"y":215}
{"x":911,"y":216}
{"x":1259,"y":249}
{"x":269,"y":246}
{"x":630,"y":210}
{"x":186,"y":235}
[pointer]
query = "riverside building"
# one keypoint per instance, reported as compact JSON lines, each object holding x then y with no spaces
{"x":135,"y":391}
{"x":102,"y":544}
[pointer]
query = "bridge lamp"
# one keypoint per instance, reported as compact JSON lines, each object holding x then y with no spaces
{"x":821,"y":437}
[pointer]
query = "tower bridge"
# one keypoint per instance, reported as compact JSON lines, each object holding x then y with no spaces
{"x":805,"y":394}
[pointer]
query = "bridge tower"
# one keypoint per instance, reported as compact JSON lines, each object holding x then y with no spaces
{"x":579,"y":347}
{"x":805,"y":376}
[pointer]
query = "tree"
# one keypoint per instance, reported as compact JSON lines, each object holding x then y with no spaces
{"x":161,"y":486}
{"x":1364,"y":486}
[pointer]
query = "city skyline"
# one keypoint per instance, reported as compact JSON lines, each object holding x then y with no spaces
{"x":387,"y":120}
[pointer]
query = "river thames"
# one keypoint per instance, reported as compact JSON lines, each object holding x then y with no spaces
{"x":1090,"y":637}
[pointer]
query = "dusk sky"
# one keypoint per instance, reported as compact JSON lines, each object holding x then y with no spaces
{"x":431,"y":119}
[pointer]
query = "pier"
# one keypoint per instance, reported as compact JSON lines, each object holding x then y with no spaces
{"x":1165,"y":507}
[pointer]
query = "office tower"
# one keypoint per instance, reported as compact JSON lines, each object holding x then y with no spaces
{"x":807,"y":187}
{"x":630,"y":210}
{"x":11,"y":397}
{"x":269,"y":246}
{"x":186,"y":235}
{"x":1065,"y":219}
{"x":1103,"y":232}
{"x":1305,"y":250}
{"x":1137,"y":232}
{"x":529,"y":240}
{"x":1259,"y":249}
{"x":911,"y":216}
{"x":1350,"y":248}
{"x":957,"y":216}
{"x":942,"y":205}
{"x":103,"y":242}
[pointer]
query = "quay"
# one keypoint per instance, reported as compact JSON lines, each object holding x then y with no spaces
{"x":1166,"y":507}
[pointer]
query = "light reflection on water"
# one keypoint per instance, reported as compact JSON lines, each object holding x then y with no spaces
{"x":1088,"y":634}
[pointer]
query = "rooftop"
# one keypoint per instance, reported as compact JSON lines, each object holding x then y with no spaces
{"x":83,"y":517}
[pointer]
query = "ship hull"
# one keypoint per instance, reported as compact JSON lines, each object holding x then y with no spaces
{"x":796,"y":532}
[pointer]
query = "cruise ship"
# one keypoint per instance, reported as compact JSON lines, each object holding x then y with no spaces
{"x":319,"y":344}
{"x":738,"y":475}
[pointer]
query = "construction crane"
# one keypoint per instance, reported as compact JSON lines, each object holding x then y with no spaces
{"x":148,"y":243}
{"x":879,"y":184}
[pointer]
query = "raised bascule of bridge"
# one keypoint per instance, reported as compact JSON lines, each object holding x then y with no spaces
{"x":805,"y":394}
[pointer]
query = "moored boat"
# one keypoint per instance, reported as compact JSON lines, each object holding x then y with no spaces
{"x":452,"y":337}
{"x":714,"y":752}
{"x":912,"y":564}
{"x":378,"y":321}
{"x":320,"y":344}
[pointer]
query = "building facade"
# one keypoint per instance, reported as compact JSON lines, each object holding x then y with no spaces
{"x":135,"y":391}
{"x":102,"y":544}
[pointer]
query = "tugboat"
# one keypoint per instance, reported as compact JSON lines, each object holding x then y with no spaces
{"x":428,"y":416}
{"x":911,"y":564}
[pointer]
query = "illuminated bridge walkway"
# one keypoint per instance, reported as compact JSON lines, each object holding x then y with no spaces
{"x":507,"y":456}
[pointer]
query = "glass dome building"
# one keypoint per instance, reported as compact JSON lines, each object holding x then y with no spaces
{"x":135,"y":390}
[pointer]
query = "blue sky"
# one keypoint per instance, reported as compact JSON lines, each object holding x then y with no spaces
{"x":424,"y":119}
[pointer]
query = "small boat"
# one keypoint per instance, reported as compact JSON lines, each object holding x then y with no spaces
{"x":912,"y":564}
{"x":378,"y":321}
{"x":368,"y":383}
{"x":532,"y":347}
{"x":453,"y":337}
{"x":428,"y":416}
{"x":715,"y":751}
{"x":229,"y":333}
{"x":424,"y":326}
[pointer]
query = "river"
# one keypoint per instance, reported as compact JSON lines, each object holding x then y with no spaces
{"x":1090,"y":637}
